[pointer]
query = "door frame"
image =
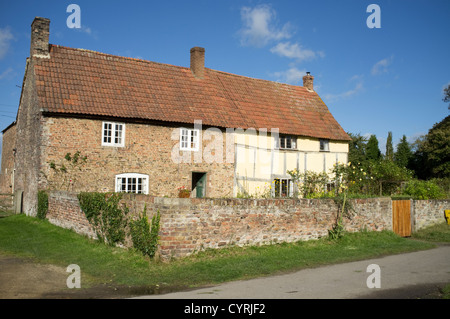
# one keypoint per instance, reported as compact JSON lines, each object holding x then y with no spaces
{"x":195,"y":178}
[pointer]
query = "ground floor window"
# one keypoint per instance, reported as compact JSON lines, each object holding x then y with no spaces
{"x":132,"y":183}
{"x":283,"y":187}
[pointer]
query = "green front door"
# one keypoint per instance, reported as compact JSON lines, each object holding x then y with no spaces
{"x":200,"y":186}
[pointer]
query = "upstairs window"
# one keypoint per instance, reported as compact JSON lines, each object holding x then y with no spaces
{"x":113,"y":134}
{"x":324,"y":146}
{"x":287,"y":142}
{"x":132,"y":183}
{"x":189,"y":139}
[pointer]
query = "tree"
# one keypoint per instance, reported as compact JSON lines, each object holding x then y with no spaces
{"x":389,"y":148}
{"x":431,"y":158}
{"x":447,"y":95}
{"x":403,"y":154}
{"x":357,"y":148}
{"x":372,"y":149}
{"x":387,"y":176}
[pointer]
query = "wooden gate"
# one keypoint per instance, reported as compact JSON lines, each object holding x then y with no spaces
{"x":401,"y":217}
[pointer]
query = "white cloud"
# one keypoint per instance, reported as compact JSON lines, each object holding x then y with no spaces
{"x":260,"y":26}
{"x":382,"y":66}
{"x":290,"y":76}
{"x":334,"y":97}
{"x":5,"y":39}
{"x":87,"y":30}
{"x":6,"y":72}
{"x":295,"y":51}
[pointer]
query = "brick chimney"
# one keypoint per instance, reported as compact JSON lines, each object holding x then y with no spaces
{"x":198,"y":62}
{"x":40,"y":31}
{"x":308,"y":81}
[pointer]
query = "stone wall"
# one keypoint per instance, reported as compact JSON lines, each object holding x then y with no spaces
{"x":28,"y":142}
{"x":7,"y":165}
{"x":189,"y":225}
{"x":428,"y":212}
{"x":6,"y":202}
{"x":64,"y":211}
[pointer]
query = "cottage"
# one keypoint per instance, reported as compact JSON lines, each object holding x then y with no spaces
{"x":153,"y":128}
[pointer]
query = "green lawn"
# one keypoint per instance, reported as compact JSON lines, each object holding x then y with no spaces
{"x":31,"y":237}
{"x":436,"y":233}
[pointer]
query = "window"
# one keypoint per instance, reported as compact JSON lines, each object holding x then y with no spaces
{"x":132,"y":183}
{"x":189,"y":139}
{"x":287,"y":142}
{"x":283,"y":187}
{"x":324,"y":146}
{"x":113,"y":134}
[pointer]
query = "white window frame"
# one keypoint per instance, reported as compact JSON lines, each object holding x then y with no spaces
{"x":189,"y":139}
{"x":324,"y":145}
{"x":116,"y":134}
{"x":289,"y":184}
{"x":285,"y":138}
{"x":131,"y":183}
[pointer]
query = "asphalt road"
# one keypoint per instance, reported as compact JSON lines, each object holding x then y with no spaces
{"x":410,"y":275}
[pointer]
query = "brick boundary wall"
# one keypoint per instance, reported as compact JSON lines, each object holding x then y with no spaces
{"x":189,"y":225}
{"x":7,"y":202}
{"x":64,"y":211}
{"x":428,"y":212}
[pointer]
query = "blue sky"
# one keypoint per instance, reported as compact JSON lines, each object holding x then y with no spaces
{"x":374,"y":80}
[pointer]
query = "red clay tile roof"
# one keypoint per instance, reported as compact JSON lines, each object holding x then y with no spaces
{"x":84,"y":82}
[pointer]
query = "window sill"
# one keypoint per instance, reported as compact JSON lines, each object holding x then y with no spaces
{"x":111,"y":145}
{"x":287,"y":149}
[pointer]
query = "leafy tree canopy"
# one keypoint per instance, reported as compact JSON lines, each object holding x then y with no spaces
{"x":431,"y":158}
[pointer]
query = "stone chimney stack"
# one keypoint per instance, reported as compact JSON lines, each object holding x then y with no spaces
{"x":308,"y":81}
{"x":198,"y":62}
{"x":40,"y":32}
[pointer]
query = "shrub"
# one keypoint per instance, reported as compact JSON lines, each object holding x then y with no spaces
{"x":145,"y":237}
{"x":418,"y":189}
{"x":42,"y":204}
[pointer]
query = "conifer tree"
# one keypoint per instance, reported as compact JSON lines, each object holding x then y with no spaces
{"x":403,"y":154}
{"x":389,"y":148}
{"x":372,"y":150}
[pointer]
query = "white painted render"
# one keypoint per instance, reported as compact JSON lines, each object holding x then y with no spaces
{"x":258,"y":162}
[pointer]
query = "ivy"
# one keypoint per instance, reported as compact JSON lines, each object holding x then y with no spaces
{"x":109,"y":220}
{"x":42,"y":204}
{"x":106,"y":216}
{"x":145,"y":237}
{"x":65,"y":172}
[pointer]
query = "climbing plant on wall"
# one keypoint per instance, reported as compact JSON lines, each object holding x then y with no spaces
{"x":106,"y":215}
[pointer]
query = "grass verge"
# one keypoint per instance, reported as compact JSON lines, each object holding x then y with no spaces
{"x":37,"y":239}
{"x":436,"y":233}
